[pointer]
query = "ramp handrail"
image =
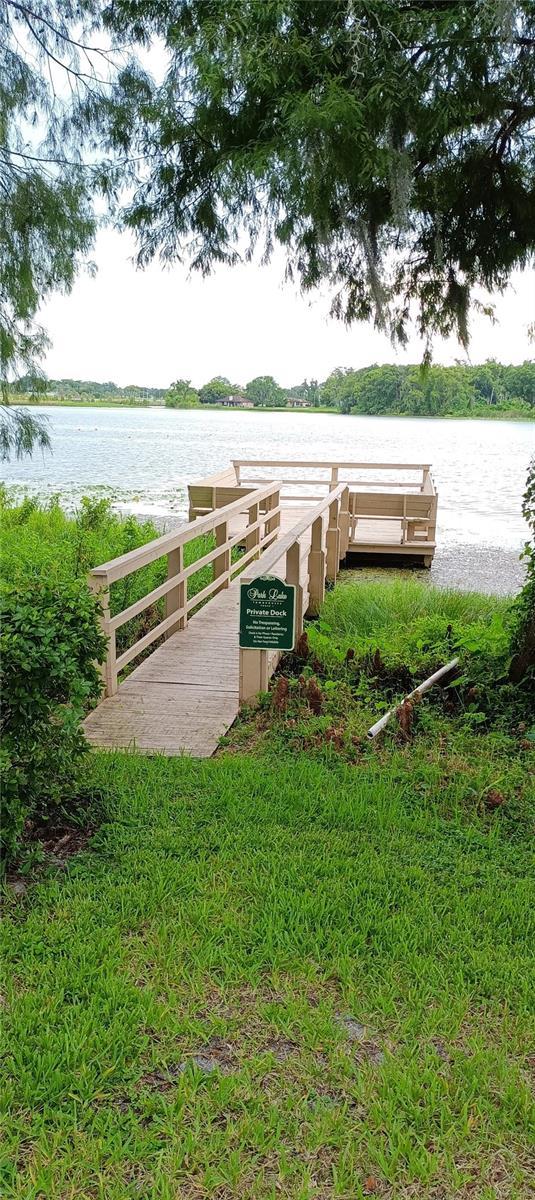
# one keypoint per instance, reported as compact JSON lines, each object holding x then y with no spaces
{"x":307,"y":568}
{"x":263,"y":522}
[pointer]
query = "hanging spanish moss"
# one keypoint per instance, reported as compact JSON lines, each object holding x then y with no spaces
{"x":401,"y":182}
{"x":375,"y":283}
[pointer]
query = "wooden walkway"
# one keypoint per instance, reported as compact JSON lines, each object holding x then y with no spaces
{"x":186,"y":694}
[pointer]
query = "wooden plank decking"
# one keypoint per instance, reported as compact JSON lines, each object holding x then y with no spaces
{"x":185,"y":696}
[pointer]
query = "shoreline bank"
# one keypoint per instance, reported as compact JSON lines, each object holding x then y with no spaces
{"x":480,"y":415}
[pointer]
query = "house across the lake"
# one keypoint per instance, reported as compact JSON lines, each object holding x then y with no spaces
{"x":236,"y":402}
{"x":298,"y":402}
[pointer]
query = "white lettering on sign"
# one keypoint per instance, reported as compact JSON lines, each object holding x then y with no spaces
{"x":273,"y":594}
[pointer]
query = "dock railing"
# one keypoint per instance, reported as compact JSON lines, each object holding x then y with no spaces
{"x":379,"y":492}
{"x":306,"y":557}
{"x":215,"y":491}
{"x":261,"y":528}
{"x":333,"y":473}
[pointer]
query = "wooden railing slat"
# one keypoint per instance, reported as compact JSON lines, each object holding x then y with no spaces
{"x":146,"y":641}
{"x":379,"y":483}
{"x":249,"y":554}
{"x":133,"y":610}
{"x":270,"y":558}
{"x":133,"y":560}
{"x":174,"y":588}
{"x":328,"y":465}
{"x":194,"y":601}
{"x":306,"y":567}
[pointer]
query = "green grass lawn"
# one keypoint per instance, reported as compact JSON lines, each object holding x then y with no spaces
{"x":277,"y":977}
{"x":304,"y":969}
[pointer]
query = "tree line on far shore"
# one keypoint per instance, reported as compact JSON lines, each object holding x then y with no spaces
{"x":39,"y":387}
{"x":488,"y":388}
{"x":436,"y":391}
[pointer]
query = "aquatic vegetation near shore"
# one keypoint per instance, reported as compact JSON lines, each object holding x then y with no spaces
{"x":42,"y":540}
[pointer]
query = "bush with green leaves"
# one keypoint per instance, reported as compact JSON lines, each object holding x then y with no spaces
{"x":50,"y":647}
{"x":523,"y":664}
{"x":51,"y":640}
{"x":41,"y":541}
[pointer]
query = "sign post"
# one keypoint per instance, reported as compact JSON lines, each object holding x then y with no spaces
{"x":267,"y":614}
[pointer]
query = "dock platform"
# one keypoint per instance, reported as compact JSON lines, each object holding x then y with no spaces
{"x":186,"y":693}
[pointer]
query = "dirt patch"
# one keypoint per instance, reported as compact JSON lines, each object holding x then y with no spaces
{"x":216,"y":1055}
{"x":352,"y":1028}
{"x":164,"y":1079}
{"x":137,"y":1177}
{"x":53,"y":848}
{"x":370,"y":1052}
{"x":63,"y":843}
{"x":280,"y":1047}
{"x":441,"y":1049}
{"x":365,"y":1048}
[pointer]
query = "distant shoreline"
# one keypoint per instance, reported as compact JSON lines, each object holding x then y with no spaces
{"x":478,"y":415}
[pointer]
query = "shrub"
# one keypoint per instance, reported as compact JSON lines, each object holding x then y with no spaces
{"x":523,"y":664}
{"x":41,"y":541}
{"x":50,"y":644}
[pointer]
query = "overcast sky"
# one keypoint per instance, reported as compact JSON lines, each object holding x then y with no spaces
{"x":150,"y":327}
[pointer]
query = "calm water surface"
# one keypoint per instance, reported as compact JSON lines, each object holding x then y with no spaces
{"x":144,"y":458}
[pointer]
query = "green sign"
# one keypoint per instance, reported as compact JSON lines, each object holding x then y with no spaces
{"x":267,"y":614}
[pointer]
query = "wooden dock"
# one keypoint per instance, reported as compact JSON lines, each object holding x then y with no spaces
{"x":185,"y":695}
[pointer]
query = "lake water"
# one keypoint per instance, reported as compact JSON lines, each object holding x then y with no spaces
{"x":143,"y":459}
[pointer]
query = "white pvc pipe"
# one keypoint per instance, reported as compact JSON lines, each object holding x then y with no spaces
{"x":423,"y":687}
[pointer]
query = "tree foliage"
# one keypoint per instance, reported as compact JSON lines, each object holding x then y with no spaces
{"x":215,"y":390}
{"x":40,"y":386}
{"x":488,"y":389}
{"x":265,"y":392}
{"x":385,"y":145}
{"x":21,"y":433}
{"x":181,"y":395}
{"x":47,"y":221}
{"x":55,"y":80}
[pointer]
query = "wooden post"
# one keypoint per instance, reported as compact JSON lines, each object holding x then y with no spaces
{"x":316,"y":568}
{"x":343,"y":522}
{"x":333,"y":543}
{"x":404,"y":521}
{"x":432,"y":527}
{"x":272,"y":523}
{"x":293,"y":576}
{"x":252,"y":539}
{"x":222,"y":562}
{"x":334,"y":479}
{"x":176,"y":598}
{"x":353,"y":514}
{"x":254,"y":676}
{"x":99,"y":586}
